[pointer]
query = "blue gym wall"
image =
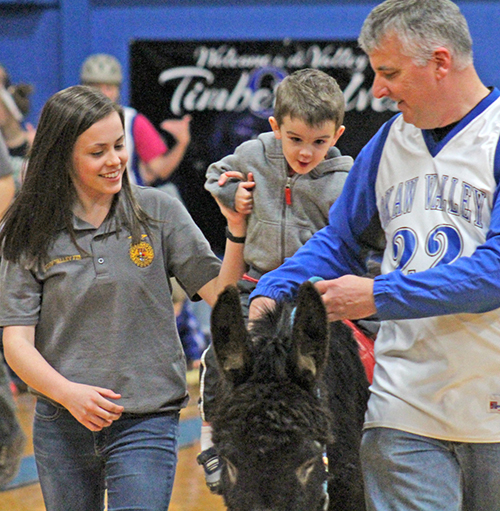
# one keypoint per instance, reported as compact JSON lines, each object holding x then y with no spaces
{"x":43,"y":42}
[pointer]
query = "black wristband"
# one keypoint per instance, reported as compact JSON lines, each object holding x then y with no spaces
{"x":234,"y":239}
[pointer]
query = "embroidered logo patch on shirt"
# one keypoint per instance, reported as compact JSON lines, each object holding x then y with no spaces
{"x":142,"y":254}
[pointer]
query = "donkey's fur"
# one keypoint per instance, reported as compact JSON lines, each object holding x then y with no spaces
{"x":286,"y":393}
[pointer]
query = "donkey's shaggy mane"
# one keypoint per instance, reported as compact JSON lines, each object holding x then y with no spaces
{"x":271,"y":415}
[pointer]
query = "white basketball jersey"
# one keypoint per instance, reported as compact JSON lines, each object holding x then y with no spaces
{"x":438,"y":376}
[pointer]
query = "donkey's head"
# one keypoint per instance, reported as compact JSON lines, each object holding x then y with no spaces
{"x":272,"y":422}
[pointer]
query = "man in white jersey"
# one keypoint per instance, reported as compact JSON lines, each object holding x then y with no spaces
{"x":426,"y":184}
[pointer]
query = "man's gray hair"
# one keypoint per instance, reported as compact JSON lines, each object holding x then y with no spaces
{"x":421,"y":26}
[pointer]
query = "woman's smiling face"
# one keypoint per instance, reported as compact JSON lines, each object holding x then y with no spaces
{"x":99,"y":160}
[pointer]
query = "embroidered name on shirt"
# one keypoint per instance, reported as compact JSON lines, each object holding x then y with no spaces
{"x":60,"y":260}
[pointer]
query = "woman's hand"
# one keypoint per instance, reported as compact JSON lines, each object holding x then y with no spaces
{"x":91,"y":406}
{"x":88,"y":404}
{"x":244,"y":195}
{"x":236,"y":222}
{"x":231,"y":174}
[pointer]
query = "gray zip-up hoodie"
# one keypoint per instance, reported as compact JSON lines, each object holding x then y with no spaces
{"x":287,"y":210}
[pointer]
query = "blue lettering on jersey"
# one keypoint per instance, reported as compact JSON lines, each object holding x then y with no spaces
{"x":435,"y":192}
{"x":466,"y":194}
{"x":410,"y":188}
{"x":396,"y":211}
{"x":479,"y":198}
{"x":452,"y":206}
{"x":402,"y":203}
{"x":445,"y":194}
{"x":385,"y":215}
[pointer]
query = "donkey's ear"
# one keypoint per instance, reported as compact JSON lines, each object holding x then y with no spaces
{"x":230,"y":337}
{"x":310,"y":335}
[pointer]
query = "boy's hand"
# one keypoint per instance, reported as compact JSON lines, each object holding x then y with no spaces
{"x":243,"y":200}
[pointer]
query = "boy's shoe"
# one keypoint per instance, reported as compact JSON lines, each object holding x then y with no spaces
{"x":10,"y":458}
{"x":212,"y":465}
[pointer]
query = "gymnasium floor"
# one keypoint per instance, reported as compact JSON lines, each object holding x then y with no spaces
{"x":190,"y":492}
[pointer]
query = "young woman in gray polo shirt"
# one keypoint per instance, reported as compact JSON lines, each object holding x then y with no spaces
{"x":87,"y":313}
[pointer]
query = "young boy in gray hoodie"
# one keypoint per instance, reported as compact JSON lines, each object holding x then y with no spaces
{"x":286,"y":180}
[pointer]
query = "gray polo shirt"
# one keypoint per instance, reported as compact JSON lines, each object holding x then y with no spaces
{"x":108,"y":319}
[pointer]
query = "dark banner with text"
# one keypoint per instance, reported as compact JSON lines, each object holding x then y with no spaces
{"x":228,"y":89}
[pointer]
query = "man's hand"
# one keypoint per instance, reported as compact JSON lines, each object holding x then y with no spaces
{"x":348,"y":297}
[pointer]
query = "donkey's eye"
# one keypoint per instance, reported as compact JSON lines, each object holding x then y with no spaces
{"x":305,"y":470}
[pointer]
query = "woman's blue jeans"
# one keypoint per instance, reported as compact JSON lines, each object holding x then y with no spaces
{"x":406,"y":472}
{"x":134,"y":459}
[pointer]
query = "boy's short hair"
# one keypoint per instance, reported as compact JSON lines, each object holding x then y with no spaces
{"x":310,"y":95}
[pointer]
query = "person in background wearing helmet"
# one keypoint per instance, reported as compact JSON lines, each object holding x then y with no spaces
{"x":150,"y":159}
